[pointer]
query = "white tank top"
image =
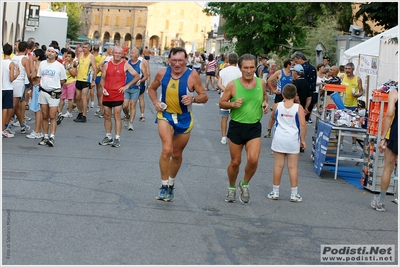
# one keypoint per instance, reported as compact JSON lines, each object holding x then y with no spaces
{"x":6,"y":83}
{"x":22,"y":73}
{"x":287,"y":133}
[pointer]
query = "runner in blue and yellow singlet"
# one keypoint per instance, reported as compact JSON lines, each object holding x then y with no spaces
{"x":175,"y":122}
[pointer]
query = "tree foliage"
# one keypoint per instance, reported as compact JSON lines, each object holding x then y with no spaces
{"x":383,"y":14}
{"x":258,"y":27}
{"x":73,"y":10}
{"x":277,"y":27}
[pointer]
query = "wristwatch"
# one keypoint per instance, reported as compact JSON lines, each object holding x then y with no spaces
{"x":193,"y":100}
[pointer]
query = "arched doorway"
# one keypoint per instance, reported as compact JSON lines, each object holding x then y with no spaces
{"x":117,"y":39}
{"x":106,"y":37}
{"x":154,"y":42}
{"x":139,"y":40}
{"x":96,"y":38}
{"x":128,"y":40}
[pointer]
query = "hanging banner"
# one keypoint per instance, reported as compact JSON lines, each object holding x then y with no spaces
{"x":368,"y":65}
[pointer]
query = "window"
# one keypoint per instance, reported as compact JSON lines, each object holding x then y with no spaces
{"x":118,"y":21}
{"x":96,"y":20}
{"x":167,"y":24}
{"x":139,"y":22}
{"x":128,"y":21}
{"x":182,"y":12}
{"x":107,"y":20}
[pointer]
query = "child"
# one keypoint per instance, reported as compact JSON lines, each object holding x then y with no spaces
{"x":289,"y":137}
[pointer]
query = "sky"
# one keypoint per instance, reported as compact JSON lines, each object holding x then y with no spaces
{"x":215,"y":18}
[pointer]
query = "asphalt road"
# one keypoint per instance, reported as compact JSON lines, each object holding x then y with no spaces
{"x":82,"y":203}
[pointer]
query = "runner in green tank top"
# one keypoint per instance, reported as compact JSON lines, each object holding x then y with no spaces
{"x":247,"y":99}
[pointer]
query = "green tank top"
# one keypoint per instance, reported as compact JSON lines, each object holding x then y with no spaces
{"x":251,"y":110}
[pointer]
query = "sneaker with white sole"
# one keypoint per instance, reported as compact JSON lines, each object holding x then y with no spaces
{"x":295,"y":198}
{"x":8,"y":130}
{"x":67,"y":115}
{"x":106,"y":141}
{"x":43,"y":142}
{"x":59,"y":118}
{"x":117,"y":143}
{"x":273,"y":195}
{"x":130,"y":127}
{"x":377,"y":205}
{"x":15,"y":124}
{"x":7,"y":135}
{"x":32,"y":135}
{"x":244,"y":195}
{"x":25,"y":128}
{"x":231,"y":196}
{"x":163,"y":192}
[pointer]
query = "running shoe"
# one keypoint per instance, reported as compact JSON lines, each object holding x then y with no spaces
{"x":43,"y":142}
{"x":7,"y":135}
{"x":25,"y":128}
{"x":170,"y":194}
{"x":244,"y":195}
{"x":8,"y":130}
{"x":375,"y":204}
{"x":130,"y":127}
{"x":59,"y":118}
{"x":50,"y":142}
{"x":67,"y":115}
{"x":267,"y":134}
{"x":295,"y":198}
{"x":273,"y":195}
{"x":116,"y":143}
{"x":142,"y":119}
{"x":32,"y":135}
{"x":106,"y":141}
{"x":231,"y":196}
{"x":163,"y":192}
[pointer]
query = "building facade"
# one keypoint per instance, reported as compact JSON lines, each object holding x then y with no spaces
{"x":13,"y":21}
{"x":152,"y":24}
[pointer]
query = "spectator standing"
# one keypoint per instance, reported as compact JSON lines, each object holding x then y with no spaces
{"x":354,"y":90}
{"x":310,"y":75}
{"x":10,"y":71}
{"x":52,"y":76}
{"x":289,"y":138}
{"x":113,"y":82}
{"x":85,"y":80}
{"x":38,"y":56}
{"x":68,"y":89}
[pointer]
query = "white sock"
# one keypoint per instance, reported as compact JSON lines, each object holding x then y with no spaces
{"x":109,"y":135}
{"x":52,"y":136}
{"x":171,"y":181}
{"x":275,"y":188}
{"x":164,"y":182}
{"x":294,"y":190}
{"x":117,"y":137}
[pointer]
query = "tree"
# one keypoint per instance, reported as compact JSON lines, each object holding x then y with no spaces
{"x":384,"y":14}
{"x":73,"y":10}
{"x":279,"y":27}
{"x":259,"y":27}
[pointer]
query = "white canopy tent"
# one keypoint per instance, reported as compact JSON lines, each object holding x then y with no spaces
{"x":379,"y":49}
